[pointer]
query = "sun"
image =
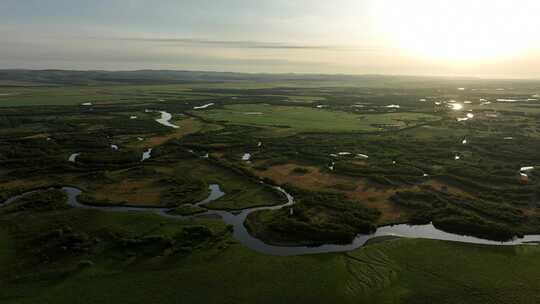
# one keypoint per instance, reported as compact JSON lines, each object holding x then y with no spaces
{"x":460,"y":30}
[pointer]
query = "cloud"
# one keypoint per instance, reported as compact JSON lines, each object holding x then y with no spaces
{"x":237,"y":44}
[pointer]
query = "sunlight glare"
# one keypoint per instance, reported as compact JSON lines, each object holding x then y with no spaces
{"x":457,"y":106}
{"x":460,"y":30}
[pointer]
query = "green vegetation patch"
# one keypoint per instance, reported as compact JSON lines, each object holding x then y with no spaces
{"x":106,"y":255}
{"x":46,"y":200}
{"x":315,"y":218}
{"x":186,"y":210}
{"x":470,"y":216}
{"x":7,"y":250}
{"x":241,"y":191}
{"x":425,"y":271}
{"x":150,"y":186}
{"x":304,"y":119}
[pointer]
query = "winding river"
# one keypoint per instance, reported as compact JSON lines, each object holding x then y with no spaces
{"x":236,"y":219}
{"x":166,"y":120}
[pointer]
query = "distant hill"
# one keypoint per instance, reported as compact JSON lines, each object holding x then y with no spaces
{"x":71,"y":77}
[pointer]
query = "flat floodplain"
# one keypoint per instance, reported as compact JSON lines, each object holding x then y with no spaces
{"x":355,"y":154}
{"x":304,"y":119}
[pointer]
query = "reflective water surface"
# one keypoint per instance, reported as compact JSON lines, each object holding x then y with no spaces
{"x":240,"y":233}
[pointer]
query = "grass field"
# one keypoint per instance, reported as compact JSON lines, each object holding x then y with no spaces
{"x":240,"y":192}
{"x":74,"y":95}
{"x":7,"y":250}
{"x":394,"y":271}
{"x":360,"y":190}
{"x":186,"y":126}
{"x":125,"y":188}
{"x":187,"y":181}
{"x":303,"y":119}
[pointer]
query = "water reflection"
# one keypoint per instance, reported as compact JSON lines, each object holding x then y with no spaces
{"x":73,"y":157}
{"x":203,"y":106}
{"x":237,"y":219}
{"x":457,"y":106}
{"x":146,"y":154}
{"x":165,"y":120}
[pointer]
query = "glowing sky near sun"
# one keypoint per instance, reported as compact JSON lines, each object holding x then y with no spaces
{"x":427,"y":37}
{"x":461,"y":30}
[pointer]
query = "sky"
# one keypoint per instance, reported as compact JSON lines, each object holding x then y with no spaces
{"x":480,"y":38}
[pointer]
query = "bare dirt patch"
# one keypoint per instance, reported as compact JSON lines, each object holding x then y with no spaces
{"x":313,"y":180}
{"x":136,"y":192}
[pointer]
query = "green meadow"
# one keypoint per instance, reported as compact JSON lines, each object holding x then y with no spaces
{"x":304,"y":119}
{"x":138,"y":258}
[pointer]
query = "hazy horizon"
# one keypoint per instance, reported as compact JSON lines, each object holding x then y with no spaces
{"x":485,"y":39}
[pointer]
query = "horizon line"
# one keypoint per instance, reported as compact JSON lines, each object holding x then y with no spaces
{"x":463,"y":77}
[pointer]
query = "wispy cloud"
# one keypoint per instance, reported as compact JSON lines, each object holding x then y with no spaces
{"x":239,"y":44}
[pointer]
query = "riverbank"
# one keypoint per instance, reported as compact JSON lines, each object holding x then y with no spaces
{"x":379,"y":273}
{"x":237,"y":222}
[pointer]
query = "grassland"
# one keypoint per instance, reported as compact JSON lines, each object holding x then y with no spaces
{"x":76,"y":95}
{"x":362,"y":191}
{"x":7,"y":250}
{"x":151,"y":186}
{"x":409,"y":276}
{"x":154,"y":185}
{"x":82,"y":261}
{"x":423,"y":165}
{"x":240,"y":191}
{"x":186,"y":126}
{"x":303,"y":119}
